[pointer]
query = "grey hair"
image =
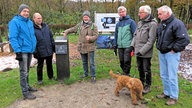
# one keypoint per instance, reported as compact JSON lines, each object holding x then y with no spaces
{"x":146,"y":9}
{"x":165,"y":9}
{"x":121,"y":8}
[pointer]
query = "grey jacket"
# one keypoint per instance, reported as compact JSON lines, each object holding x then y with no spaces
{"x":145,"y":36}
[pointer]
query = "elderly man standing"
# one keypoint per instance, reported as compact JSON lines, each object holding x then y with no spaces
{"x":23,"y":42}
{"x":124,"y":31}
{"x":45,"y":47}
{"x":143,"y":42}
{"x":172,"y":38}
{"x":88,"y":35}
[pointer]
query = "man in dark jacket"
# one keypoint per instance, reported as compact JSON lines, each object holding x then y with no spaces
{"x":45,"y":47}
{"x":143,"y":42}
{"x":172,"y":38}
{"x":124,"y":31}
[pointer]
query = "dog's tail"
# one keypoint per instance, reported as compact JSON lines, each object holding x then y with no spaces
{"x":113,"y":75}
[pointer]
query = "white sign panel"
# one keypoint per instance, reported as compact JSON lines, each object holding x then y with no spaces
{"x":106,"y":22}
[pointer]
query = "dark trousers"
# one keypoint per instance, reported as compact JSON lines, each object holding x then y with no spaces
{"x":125,"y":60}
{"x":144,"y":67}
{"x":40,"y":67}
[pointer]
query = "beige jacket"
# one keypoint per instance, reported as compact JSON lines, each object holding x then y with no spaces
{"x":84,"y":30}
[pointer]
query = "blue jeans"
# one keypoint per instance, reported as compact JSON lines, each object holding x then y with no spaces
{"x":24,"y":71}
{"x":169,"y":63}
{"x":85,"y":59}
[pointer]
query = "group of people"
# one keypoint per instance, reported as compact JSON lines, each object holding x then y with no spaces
{"x":171,"y":37}
{"x":29,"y":38}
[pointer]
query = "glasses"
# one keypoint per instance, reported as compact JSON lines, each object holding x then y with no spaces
{"x":141,"y":12}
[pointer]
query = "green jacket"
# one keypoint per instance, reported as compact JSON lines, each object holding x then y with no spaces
{"x":124,"y":31}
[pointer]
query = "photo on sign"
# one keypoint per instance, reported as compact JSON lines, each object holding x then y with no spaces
{"x":106,"y":22}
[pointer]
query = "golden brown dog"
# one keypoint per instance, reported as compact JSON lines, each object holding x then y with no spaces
{"x":133,"y":84}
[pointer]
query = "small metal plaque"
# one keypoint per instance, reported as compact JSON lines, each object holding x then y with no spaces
{"x":61,"y":49}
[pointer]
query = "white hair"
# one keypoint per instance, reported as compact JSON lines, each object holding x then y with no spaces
{"x":121,"y":8}
{"x":146,"y":9}
{"x":165,"y":9}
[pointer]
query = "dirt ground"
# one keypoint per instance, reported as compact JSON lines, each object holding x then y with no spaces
{"x":79,"y":95}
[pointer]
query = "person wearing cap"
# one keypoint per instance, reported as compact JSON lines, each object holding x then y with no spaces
{"x":23,"y":41}
{"x":88,"y":34}
{"x":45,"y":47}
{"x":124,"y":32}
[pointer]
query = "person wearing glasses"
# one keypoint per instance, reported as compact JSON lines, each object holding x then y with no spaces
{"x":143,"y":43}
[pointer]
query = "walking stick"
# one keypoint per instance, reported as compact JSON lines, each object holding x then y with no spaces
{"x":88,"y":54}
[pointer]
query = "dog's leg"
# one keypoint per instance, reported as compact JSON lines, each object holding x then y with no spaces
{"x":133,"y":97}
{"x":118,"y":88}
{"x":141,"y":95}
{"x":117,"y":91}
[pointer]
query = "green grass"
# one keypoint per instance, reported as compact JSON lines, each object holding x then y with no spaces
{"x":104,"y":60}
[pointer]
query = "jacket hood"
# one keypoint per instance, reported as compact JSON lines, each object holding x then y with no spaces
{"x":19,"y":17}
{"x":124,"y":18}
{"x":149,"y":18}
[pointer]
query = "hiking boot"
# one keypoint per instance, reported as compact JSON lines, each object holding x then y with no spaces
{"x":40,"y":82}
{"x":93,"y":80}
{"x":146,"y":89}
{"x":171,"y":101}
{"x":31,"y":89}
{"x":29,"y":96}
{"x":162,"y":96}
{"x":83,"y":76}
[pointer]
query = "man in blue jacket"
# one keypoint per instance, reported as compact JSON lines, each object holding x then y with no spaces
{"x":23,"y":42}
{"x":45,"y":47}
{"x":172,"y":38}
{"x":124,"y":31}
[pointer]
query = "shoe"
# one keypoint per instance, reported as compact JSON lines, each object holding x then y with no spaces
{"x":171,"y":101}
{"x":83,"y":76}
{"x":93,"y":80}
{"x":161,"y":96}
{"x":31,"y":89}
{"x":146,"y":89}
{"x":29,"y":96}
{"x":40,"y":82}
